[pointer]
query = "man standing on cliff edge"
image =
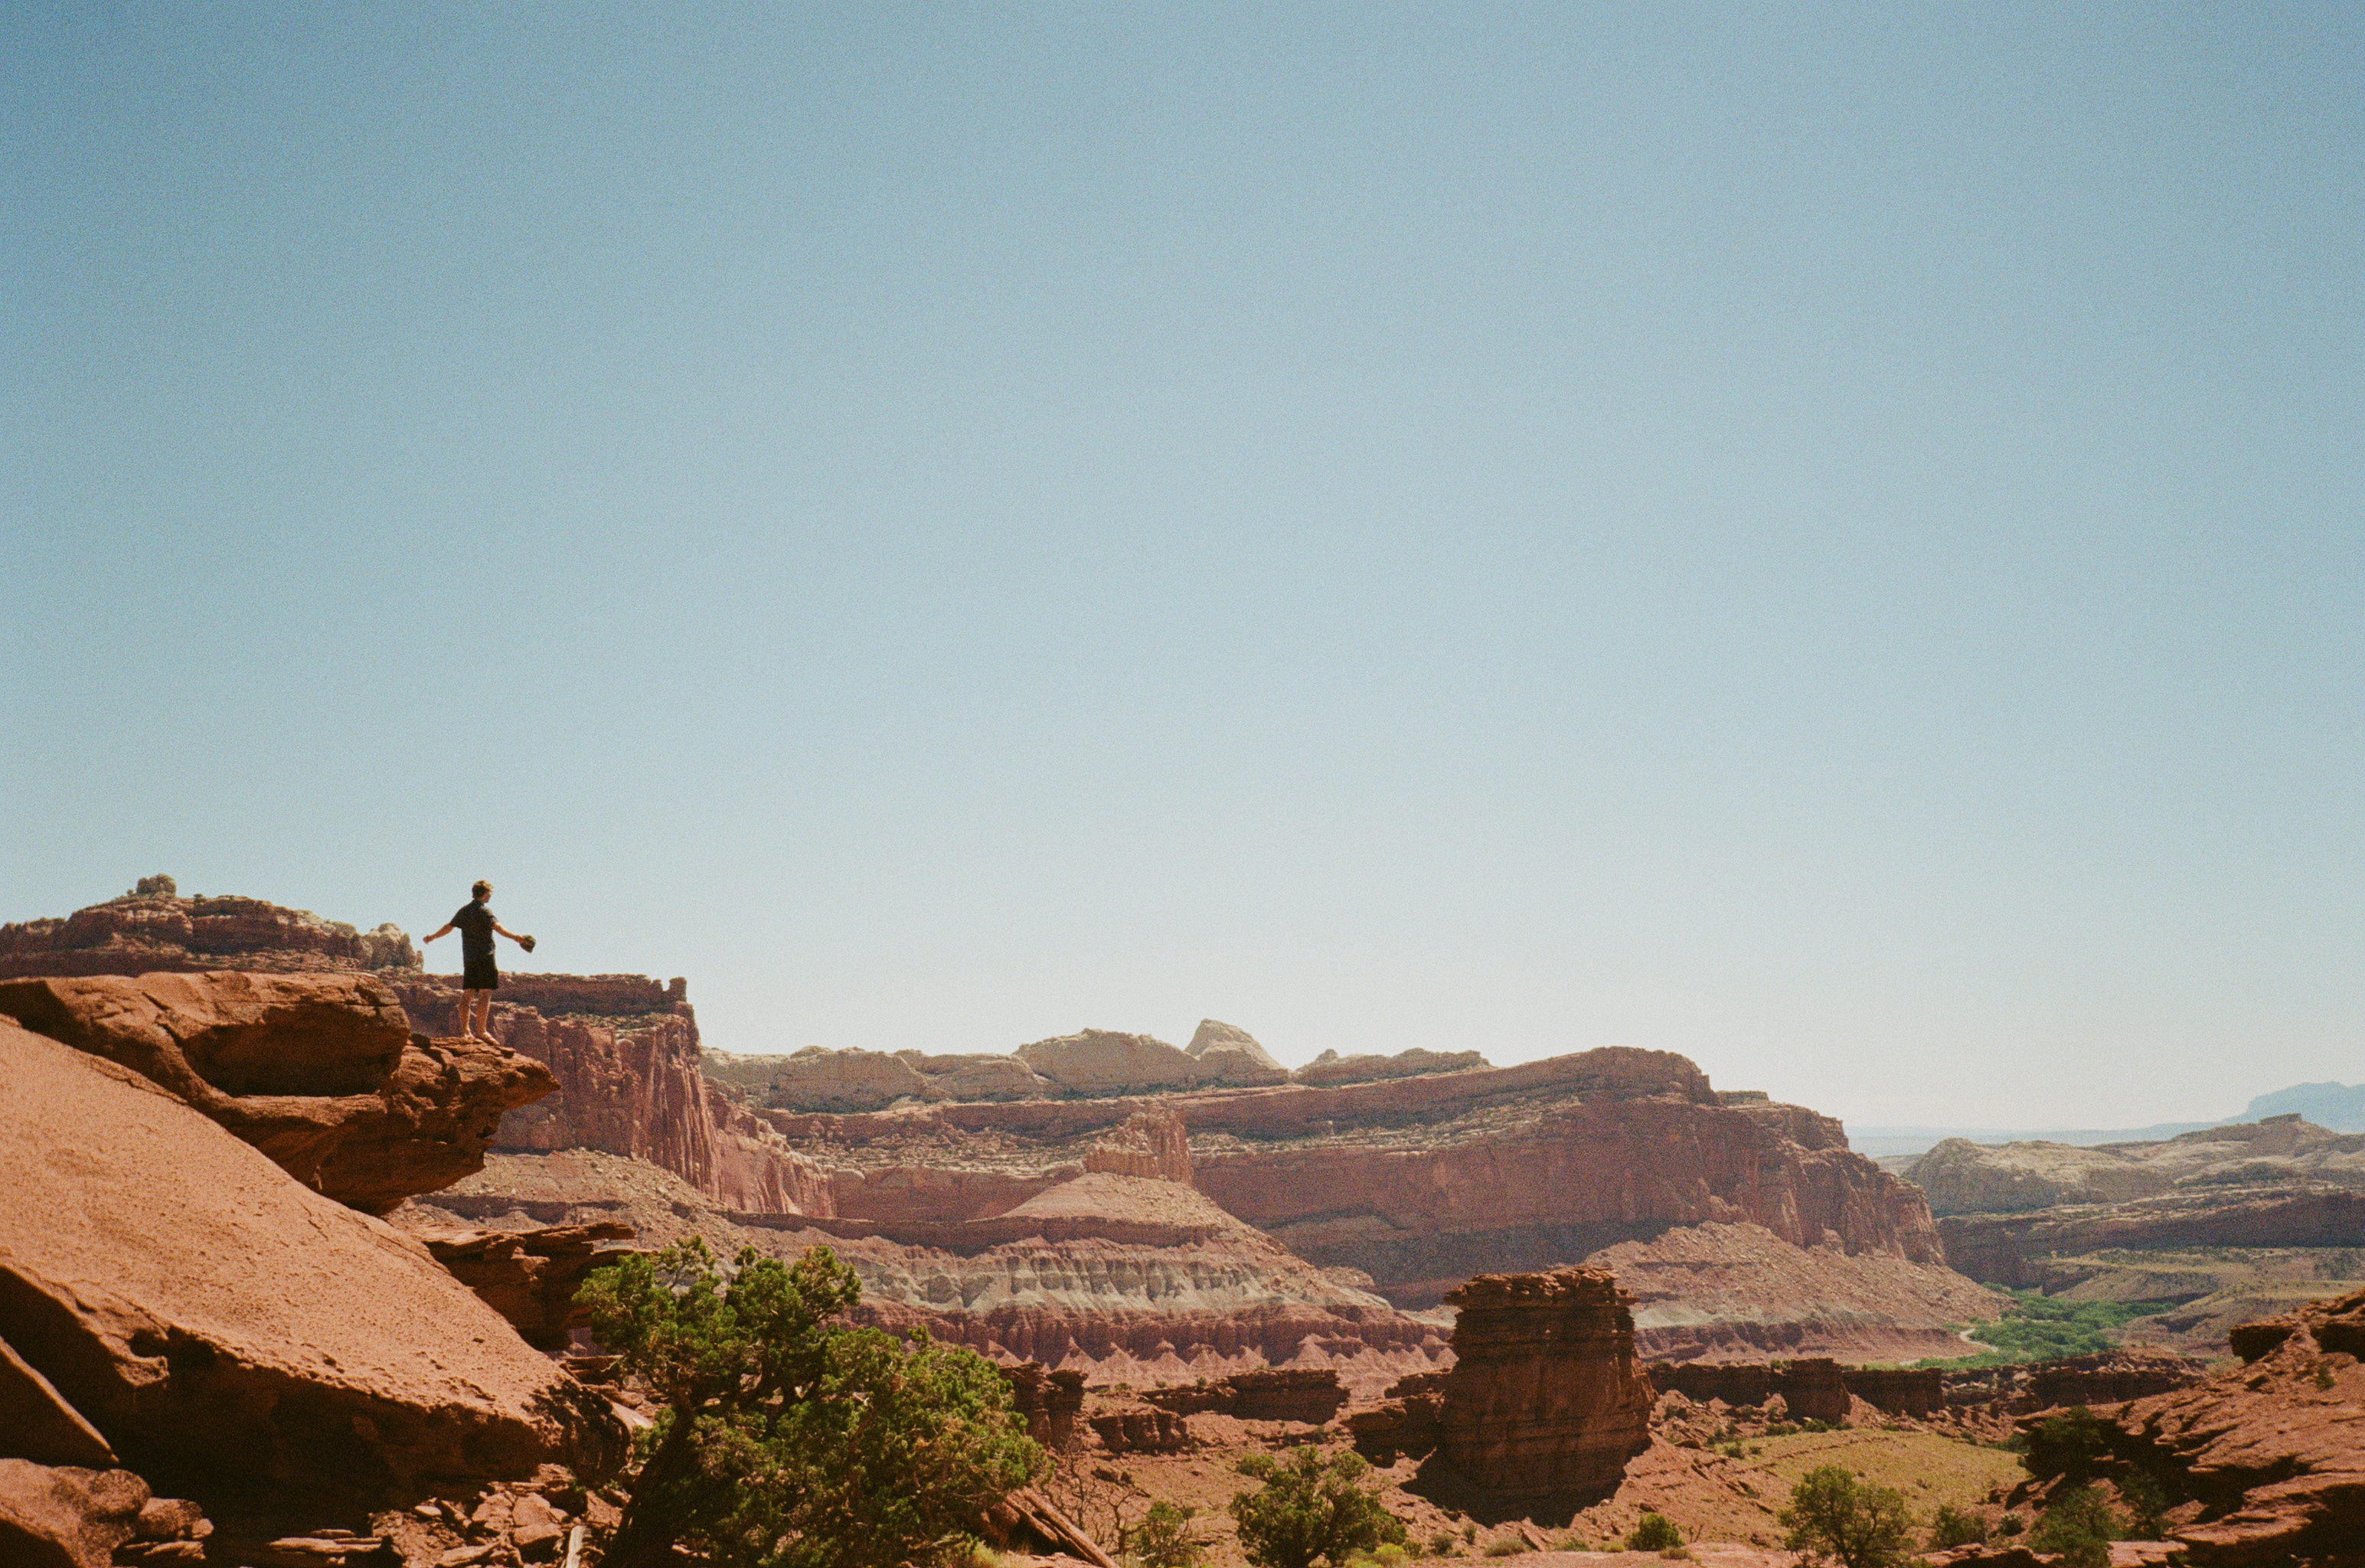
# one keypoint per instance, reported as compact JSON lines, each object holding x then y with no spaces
{"x":478,"y":977}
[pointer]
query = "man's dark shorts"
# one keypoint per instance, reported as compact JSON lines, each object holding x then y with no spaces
{"x":479,"y":974}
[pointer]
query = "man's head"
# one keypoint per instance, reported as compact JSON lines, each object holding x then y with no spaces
{"x":481,"y":891}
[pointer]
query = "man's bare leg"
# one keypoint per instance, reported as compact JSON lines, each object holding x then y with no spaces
{"x":468,"y":1006}
{"x":484,"y":1029}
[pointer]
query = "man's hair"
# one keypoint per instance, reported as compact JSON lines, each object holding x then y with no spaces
{"x":483,"y":890}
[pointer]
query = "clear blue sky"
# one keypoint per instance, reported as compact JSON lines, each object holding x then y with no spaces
{"x":1826,"y":540}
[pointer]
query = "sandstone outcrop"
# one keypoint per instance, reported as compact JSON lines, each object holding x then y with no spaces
{"x":1102,"y":1062}
{"x":66,"y":1516}
{"x":224,"y":1327}
{"x":1545,"y":1403}
{"x":530,"y":1277}
{"x":1812,"y":1389}
{"x":1308,"y":1395}
{"x":319,"y":1071}
{"x":1961,"y":1177}
{"x":978,"y":1076}
{"x":1227,"y":1054}
{"x":1048,"y":1401}
{"x":156,"y":933}
{"x":1151,"y":1144}
{"x":2272,"y":1452}
{"x":850,"y":1079}
{"x":1330,"y":1067}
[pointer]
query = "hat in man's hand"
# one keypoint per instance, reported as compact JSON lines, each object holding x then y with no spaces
{"x":526,"y":943}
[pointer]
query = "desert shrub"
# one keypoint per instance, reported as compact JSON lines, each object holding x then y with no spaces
{"x":1310,"y":1507}
{"x":1862,"y":1525}
{"x":1655,"y":1532}
{"x":1164,"y":1539}
{"x":2146,"y":1503}
{"x":787,"y":1439}
{"x":1781,"y":1430}
{"x":1505,"y":1546}
{"x":2079,"y":1525}
{"x":1957,"y":1527}
{"x":1441,"y":1543}
{"x":2068,"y":1444}
{"x":2010,"y":1524}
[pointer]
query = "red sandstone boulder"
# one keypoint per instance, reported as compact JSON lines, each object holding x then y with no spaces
{"x":530,"y":1276}
{"x":319,"y":1071}
{"x":1545,"y":1402}
{"x":1151,"y":1144}
{"x":226,"y":1327}
{"x":66,"y":1516}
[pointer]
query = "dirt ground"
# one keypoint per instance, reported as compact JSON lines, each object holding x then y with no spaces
{"x":1714,"y":1499}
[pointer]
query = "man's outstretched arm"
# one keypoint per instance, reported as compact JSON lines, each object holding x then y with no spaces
{"x":434,"y":933}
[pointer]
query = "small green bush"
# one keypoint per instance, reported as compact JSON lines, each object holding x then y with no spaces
{"x":1957,"y":1527}
{"x":1441,"y":1543}
{"x":2079,"y":1525}
{"x":1164,"y":1539}
{"x":1505,"y":1546}
{"x":2010,"y":1524}
{"x":2146,"y":1503}
{"x":1655,"y":1532}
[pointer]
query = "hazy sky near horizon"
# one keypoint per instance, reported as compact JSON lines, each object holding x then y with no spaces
{"x":1827,"y":540}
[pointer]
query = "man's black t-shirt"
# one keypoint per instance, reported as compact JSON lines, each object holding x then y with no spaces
{"x":476,"y":924}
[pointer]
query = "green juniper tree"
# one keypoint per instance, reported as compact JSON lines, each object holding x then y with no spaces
{"x":787,"y":1438}
{"x":1310,"y":1507}
{"x":1832,"y":1513}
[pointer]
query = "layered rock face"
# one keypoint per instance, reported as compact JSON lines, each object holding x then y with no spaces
{"x":624,"y":1052}
{"x":1545,"y":1403}
{"x":1151,"y":1144}
{"x":319,"y":1071}
{"x":530,"y":1277}
{"x":1962,"y":1177}
{"x":1227,"y":1054}
{"x":225,"y":1329}
{"x":2018,"y":1249}
{"x":1752,"y":1229}
{"x":2273,"y":1452}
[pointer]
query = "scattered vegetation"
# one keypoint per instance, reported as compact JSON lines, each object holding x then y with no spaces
{"x":2037,"y":1327}
{"x":1655,"y":1532}
{"x":1505,"y":1546}
{"x":2068,"y":1444}
{"x":1957,"y":1527}
{"x":789,"y":1440}
{"x":1164,"y":1538}
{"x":1832,"y":1512}
{"x":2079,"y":1525}
{"x":1310,"y":1507}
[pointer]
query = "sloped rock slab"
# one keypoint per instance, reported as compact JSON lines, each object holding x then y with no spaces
{"x":320,"y":1072}
{"x":224,"y":1327}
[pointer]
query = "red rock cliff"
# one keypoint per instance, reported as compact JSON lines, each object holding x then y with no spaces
{"x":624,"y":1050}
